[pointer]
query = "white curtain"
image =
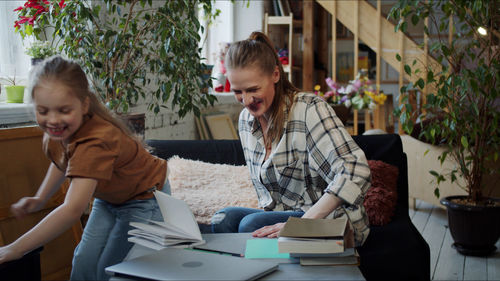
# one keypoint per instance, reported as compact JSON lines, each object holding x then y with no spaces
{"x":12,"y":56}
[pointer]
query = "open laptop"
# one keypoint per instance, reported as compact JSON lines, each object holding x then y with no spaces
{"x":188,"y":264}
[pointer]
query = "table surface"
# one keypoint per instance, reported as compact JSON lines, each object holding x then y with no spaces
{"x":287,"y":270}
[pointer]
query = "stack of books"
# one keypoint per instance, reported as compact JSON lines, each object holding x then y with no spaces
{"x":318,"y":241}
{"x":178,"y":228}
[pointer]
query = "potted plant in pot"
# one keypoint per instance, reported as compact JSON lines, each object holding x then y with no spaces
{"x":138,"y":49}
{"x":35,"y":25}
{"x":14,"y":91}
{"x":358,"y":94}
{"x":462,"y":112}
{"x":39,"y":50}
{"x":134,"y":49}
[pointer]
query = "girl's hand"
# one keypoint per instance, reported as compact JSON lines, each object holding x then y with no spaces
{"x":26,"y":205}
{"x":8,"y":254}
{"x":269,"y":231}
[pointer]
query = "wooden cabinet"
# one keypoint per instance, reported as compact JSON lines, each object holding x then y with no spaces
{"x":23,"y":166}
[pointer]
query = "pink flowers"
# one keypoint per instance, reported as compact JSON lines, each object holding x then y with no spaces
{"x":358,"y":93}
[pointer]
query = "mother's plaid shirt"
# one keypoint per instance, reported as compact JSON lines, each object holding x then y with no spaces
{"x":314,"y":155}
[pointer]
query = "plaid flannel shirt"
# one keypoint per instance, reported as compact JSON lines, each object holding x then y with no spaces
{"x":314,"y":155}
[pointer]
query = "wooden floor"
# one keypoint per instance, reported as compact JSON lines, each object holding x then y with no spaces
{"x":446,"y":262}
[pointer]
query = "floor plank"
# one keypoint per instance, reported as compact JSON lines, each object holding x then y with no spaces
{"x":434,"y":234}
{"x":493,"y":263}
{"x":475,"y":268}
{"x":446,"y":262}
{"x":422,"y":215}
{"x":450,"y":264}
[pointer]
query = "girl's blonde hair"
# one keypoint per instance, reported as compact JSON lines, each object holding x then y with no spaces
{"x":258,"y":51}
{"x":71,"y":75}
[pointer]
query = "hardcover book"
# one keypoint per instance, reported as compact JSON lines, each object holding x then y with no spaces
{"x":313,"y":236}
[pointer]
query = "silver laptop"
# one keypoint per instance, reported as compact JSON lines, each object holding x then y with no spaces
{"x":225,"y":243}
{"x":188,"y":264}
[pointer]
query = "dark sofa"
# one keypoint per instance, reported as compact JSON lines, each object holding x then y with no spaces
{"x":395,"y":251}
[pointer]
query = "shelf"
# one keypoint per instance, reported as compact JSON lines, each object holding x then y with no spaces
{"x":286,"y":68}
{"x":283,"y":20}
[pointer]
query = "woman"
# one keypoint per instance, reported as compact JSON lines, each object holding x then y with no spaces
{"x":302,"y":161}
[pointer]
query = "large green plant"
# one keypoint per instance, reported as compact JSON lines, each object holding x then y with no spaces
{"x":462,"y":108}
{"x":138,"y":48}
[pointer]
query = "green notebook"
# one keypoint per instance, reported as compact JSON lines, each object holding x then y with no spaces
{"x":264,"y":248}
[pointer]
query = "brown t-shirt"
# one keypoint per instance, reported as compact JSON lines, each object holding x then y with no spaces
{"x":123,"y":168}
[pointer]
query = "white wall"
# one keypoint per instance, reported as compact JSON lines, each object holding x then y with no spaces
{"x":247,"y":19}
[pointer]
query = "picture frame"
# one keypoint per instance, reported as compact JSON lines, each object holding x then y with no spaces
{"x":221,"y":127}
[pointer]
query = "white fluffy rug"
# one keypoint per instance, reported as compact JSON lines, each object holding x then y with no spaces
{"x":208,"y":187}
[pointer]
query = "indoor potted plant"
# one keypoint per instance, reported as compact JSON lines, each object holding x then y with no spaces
{"x":358,"y":94}
{"x":39,"y":50}
{"x":461,"y":112}
{"x":138,"y":48}
{"x":14,"y":91}
{"x":34,"y":24}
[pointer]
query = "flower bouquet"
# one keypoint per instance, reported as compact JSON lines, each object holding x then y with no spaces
{"x":358,"y":94}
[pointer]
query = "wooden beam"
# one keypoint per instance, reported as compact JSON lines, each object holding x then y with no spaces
{"x":356,"y":37}
{"x":334,"y":42}
{"x":322,"y":46}
{"x":308,"y":53}
{"x":379,"y":45}
{"x":266,"y":23}
{"x":290,"y":47}
{"x":401,"y":73}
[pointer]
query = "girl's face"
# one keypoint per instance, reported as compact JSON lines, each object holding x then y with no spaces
{"x":253,"y":88}
{"x":59,"y":112}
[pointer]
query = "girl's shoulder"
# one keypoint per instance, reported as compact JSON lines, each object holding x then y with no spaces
{"x":97,"y":129}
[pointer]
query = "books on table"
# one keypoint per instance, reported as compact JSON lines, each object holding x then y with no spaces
{"x":309,"y":236}
{"x":317,"y":241}
{"x":178,"y":228}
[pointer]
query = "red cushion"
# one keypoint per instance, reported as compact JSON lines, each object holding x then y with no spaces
{"x":380,"y":200}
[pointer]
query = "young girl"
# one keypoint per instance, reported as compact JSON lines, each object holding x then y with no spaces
{"x":302,"y":161}
{"x":101,"y":159}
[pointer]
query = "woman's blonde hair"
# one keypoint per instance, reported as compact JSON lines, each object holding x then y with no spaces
{"x":71,"y":75}
{"x":258,"y":51}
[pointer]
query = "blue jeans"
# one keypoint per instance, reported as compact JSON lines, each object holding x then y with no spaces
{"x":239,"y":219}
{"x":104,"y":240}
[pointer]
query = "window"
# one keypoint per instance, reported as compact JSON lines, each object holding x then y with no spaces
{"x":13,"y":60}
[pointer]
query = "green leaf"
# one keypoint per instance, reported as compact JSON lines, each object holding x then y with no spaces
{"x":436,"y":193}
{"x":398,"y":57}
{"x":464,"y":142}
{"x":420,"y":83}
{"x":415,"y":19}
{"x":408,"y":69}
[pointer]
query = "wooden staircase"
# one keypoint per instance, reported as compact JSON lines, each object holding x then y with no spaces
{"x":369,"y":25}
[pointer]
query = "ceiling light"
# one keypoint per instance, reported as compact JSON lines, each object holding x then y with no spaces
{"x":482,"y":31}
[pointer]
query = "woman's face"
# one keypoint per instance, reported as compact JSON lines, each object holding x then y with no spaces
{"x":59,"y":113}
{"x":253,"y":88}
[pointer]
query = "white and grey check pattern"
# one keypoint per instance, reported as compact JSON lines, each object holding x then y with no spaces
{"x":314,"y":155}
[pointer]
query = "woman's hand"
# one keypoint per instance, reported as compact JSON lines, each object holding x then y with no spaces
{"x":26,"y":205}
{"x":7,"y":253}
{"x":269,"y":231}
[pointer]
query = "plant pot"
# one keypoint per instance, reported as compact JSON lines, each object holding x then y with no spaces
{"x":35,"y":61}
{"x":136,"y":123}
{"x":15,"y":93}
{"x":475,"y":229}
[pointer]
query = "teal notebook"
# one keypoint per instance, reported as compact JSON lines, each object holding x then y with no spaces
{"x":264,"y":248}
